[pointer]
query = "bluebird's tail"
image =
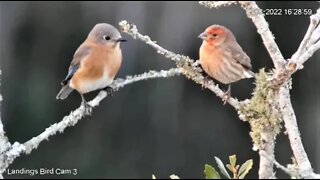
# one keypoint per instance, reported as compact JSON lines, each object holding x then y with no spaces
{"x":64,"y":92}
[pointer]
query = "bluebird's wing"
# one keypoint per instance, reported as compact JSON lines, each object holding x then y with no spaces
{"x":81,"y":52}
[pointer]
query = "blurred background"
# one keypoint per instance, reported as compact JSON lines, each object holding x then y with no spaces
{"x":161,"y":126}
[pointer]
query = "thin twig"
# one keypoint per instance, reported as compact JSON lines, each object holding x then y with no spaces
{"x":217,"y":4}
{"x":267,"y":138}
{"x":281,"y":167}
{"x":78,"y":114}
{"x":188,"y":66}
{"x":284,"y":169}
{"x":309,"y":45}
{"x":284,"y":70}
{"x":257,"y":17}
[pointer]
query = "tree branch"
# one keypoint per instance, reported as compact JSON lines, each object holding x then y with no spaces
{"x":189,"y":67}
{"x":284,"y":70}
{"x":304,"y":165}
{"x":266,"y":150}
{"x":190,"y":70}
{"x":305,"y":169}
{"x":267,"y":135}
{"x":257,"y":17}
{"x":217,"y":4}
{"x":16,"y":149}
{"x":309,"y":45}
{"x":291,"y":169}
{"x":291,"y":172}
{"x":4,"y":143}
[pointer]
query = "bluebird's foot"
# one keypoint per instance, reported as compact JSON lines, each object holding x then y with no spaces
{"x":109,"y":90}
{"x":86,"y":106}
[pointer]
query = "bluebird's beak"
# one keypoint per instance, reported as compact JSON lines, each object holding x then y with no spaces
{"x":203,"y":35}
{"x":121,"y":40}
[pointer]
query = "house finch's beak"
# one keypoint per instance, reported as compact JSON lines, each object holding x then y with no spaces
{"x":203,"y":35}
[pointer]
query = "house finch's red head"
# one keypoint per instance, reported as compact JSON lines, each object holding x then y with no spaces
{"x":216,"y":35}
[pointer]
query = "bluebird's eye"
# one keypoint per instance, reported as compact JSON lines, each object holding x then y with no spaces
{"x":106,"y":38}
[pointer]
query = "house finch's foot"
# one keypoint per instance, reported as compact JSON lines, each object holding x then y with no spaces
{"x":205,"y":82}
{"x":87,"y":108}
{"x":227,"y":95}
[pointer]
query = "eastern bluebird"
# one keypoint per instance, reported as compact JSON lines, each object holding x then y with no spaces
{"x":95,"y":63}
{"x":222,"y":58}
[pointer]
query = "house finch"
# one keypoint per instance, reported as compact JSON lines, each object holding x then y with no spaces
{"x":222,"y":58}
{"x":95,"y":63}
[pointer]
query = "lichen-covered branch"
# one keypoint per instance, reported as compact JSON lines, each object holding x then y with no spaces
{"x":259,"y":111}
{"x":16,"y":149}
{"x":4,"y":143}
{"x":264,"y":141}
{"x":265,"y":122}
{"x":189,"y":67}
{"x":282,"y":75}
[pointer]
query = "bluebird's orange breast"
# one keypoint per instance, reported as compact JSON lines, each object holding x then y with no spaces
{"x":98,"y":69}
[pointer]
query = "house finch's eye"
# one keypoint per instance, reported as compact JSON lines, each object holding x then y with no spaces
{"x":214,"y":35}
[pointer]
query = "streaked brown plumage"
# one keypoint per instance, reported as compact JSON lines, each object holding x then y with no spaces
{"x":222,"y":58}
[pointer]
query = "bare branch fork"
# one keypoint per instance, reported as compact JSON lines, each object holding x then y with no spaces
{"x":9,"y":152}
{"x":278,"y":84}
{"x":265,"y":144}
{"x":283,"y":73}
{"x":193,"y":73}
{"x":309,"y":45}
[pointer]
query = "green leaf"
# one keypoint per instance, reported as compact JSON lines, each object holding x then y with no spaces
{"x":153,"y":176}
{"x":245,"y":168}
{"x":230,"y":167}
{"x":210,"y":172}
{"x":233,"y":160}
{"x":222,"y":168}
